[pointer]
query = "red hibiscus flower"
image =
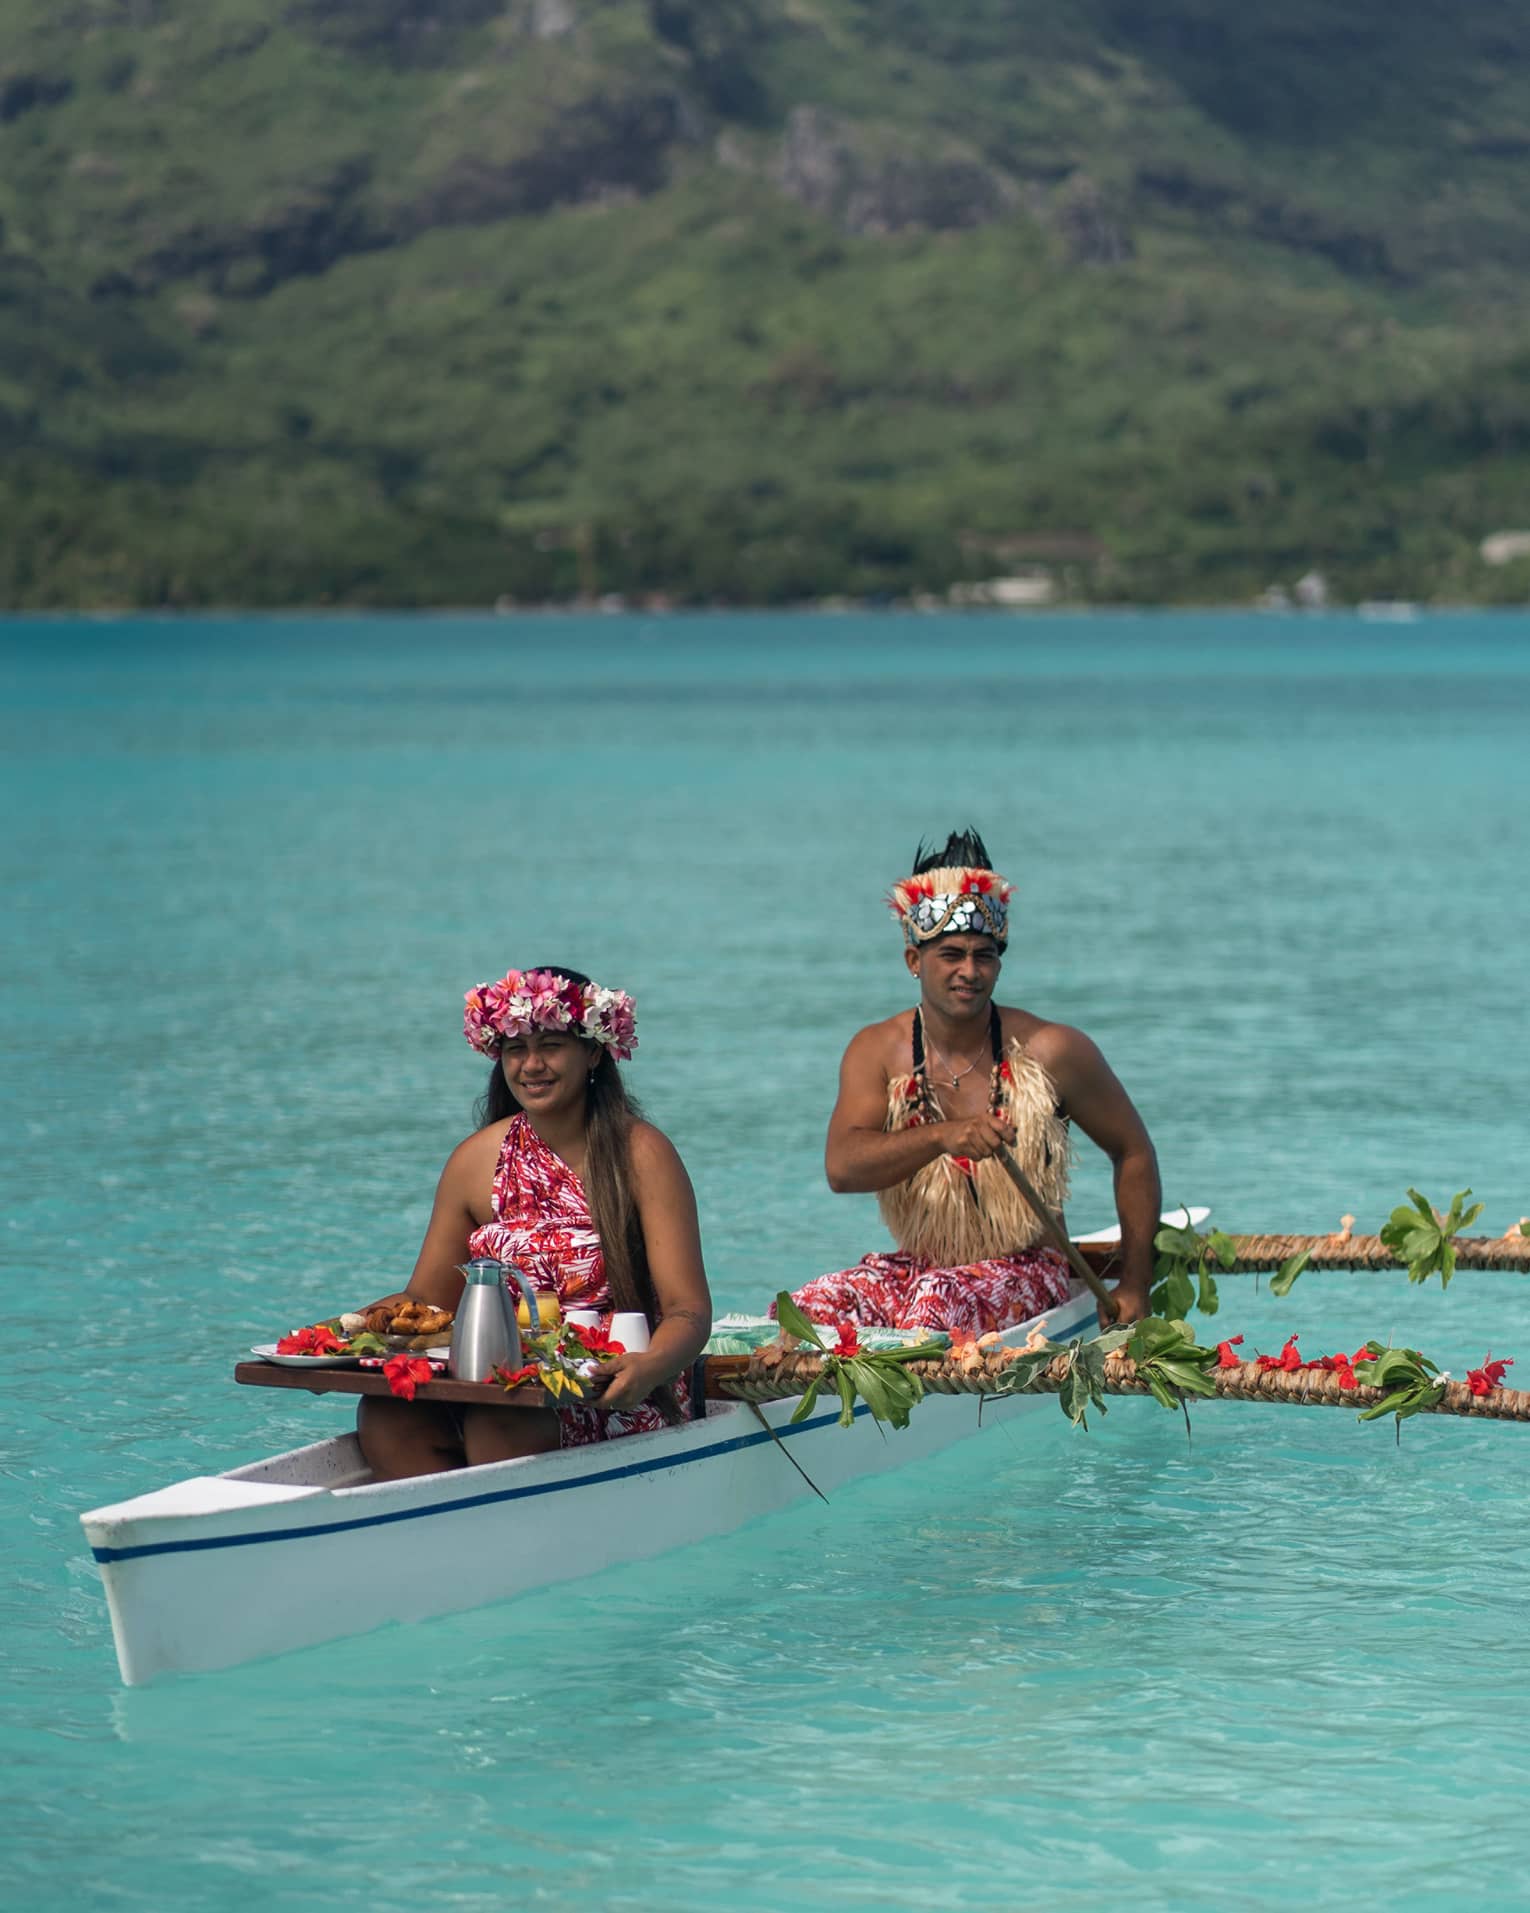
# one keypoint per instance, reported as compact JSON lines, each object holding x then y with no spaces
{"x":319,"y":1340}
{"x":1225,"y":1356}
{"x":849,"y":1342}
{"x":1288,"y":1358}
{"x":1338,"y":1363}
{"x":405,"y":1373}
{"x":1482,"y":1381}
{"x":597,"y":1341}
{"x":509,"y":1378}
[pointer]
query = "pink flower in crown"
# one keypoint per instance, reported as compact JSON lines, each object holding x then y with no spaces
{"x":571,"y":996}
{"x":515,"y":1004}
{"x":551,"y":1008}
{"x":526,"y":1000}
{"x":478,"y":1021}
{"x":494,"y":1011}
{"x":610,"y":1017}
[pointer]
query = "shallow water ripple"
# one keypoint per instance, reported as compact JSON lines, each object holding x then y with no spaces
{"x":252,"y":866}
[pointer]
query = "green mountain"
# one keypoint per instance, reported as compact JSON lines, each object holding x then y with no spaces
{"x":433,"y":301}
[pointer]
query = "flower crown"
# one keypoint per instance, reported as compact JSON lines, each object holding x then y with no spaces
{"x":525,"y":1000}
{"x":952,"y":902}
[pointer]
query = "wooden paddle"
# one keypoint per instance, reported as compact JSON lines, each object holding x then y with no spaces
{"x":1057,"y":1236}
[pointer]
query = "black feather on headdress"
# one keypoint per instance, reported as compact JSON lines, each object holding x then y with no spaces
{"x":962,"y":850}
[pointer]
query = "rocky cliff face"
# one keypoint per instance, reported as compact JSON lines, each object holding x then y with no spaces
{"x":876,"y":180}
{"x":614,"y":143}
{"x":303,"y":231}
{"x":497,"y":109}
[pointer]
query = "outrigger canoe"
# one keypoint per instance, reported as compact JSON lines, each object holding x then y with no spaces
{"x":302,"y":1548}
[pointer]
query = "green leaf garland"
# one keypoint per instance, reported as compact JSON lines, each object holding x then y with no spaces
{"x":1422,"y":1239}
{"x":1182,"y":1277}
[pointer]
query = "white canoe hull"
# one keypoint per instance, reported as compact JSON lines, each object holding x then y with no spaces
{"x":303,"y":1548}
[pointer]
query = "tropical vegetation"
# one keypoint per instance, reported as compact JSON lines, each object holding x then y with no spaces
{"x":457,"y":301}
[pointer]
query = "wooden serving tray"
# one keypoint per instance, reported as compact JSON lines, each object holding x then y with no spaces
{"x":372,"y":1381}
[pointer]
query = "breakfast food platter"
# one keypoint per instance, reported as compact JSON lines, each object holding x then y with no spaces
{"x":386,"y":1328}
{"x":271,"y":1352}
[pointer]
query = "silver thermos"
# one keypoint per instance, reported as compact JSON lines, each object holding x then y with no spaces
{"x":485,"y":1334}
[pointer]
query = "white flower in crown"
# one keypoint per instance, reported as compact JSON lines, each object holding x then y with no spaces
{"x":610,"y":1019}
{"x":517,"y":1013}
{"x":527,"y":1000}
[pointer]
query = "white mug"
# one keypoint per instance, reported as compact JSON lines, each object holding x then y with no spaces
{"x":631,"y":1330}
{"x":584,"y":1318}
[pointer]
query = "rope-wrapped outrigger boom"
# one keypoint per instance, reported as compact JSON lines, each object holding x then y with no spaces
{"x":1253,"y":1253}
{"x":983,"y":1372}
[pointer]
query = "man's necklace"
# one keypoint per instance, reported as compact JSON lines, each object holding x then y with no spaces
{"x":952,"y":1077}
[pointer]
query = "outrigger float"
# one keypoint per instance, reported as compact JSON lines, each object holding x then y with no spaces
{"x":303,"y":1547}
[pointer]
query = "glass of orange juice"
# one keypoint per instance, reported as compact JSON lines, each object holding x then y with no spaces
{"x":549,"y":1313}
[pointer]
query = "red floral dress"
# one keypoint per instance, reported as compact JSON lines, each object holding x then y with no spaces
{"x":542,"y":1223}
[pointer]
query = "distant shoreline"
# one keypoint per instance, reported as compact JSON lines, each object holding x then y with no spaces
{"x":1374,"y":612}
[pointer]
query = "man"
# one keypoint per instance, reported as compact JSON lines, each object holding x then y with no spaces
{"x":930,"y":1098}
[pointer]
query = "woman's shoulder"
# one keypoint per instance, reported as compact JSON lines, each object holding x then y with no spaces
{"x":480,"y":1149}
{"x":651,"y":1152}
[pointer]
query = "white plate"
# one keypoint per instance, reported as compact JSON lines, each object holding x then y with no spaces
{"x":1176,"y":1219}
{"x":267,"y":1353}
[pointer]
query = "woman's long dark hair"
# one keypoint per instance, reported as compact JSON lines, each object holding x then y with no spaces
{"x":609,"y":1113}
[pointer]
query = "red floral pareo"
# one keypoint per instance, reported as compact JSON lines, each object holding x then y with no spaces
{"x":906,"y":1291}
{"x":542,"y":1224}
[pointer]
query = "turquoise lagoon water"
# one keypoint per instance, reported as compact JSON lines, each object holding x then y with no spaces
{"x":1277,"y":867}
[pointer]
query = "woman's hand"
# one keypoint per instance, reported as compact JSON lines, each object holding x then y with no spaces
{"x":629,"y":1380}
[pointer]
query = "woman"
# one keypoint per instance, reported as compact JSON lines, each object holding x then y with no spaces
{"x":566,"y":1180}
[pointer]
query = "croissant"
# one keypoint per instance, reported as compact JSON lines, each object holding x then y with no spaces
{"x":415,"y":1317}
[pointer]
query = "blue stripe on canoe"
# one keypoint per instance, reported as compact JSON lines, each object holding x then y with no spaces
{"x":468,"y":1501}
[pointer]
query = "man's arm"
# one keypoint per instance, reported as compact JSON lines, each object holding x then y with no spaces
{"x":861,"y":1156}
{"x":1094,"y":1098}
